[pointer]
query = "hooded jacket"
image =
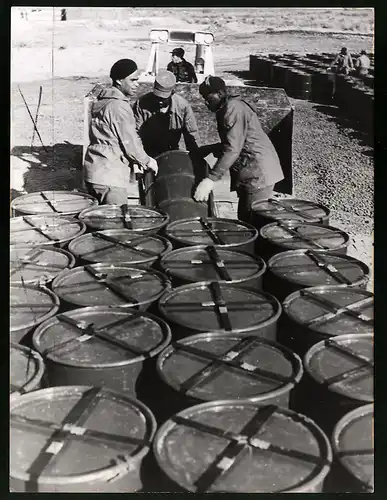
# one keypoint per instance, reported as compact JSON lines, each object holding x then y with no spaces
{"x":114,"y":143}
{"x":245,"y":148}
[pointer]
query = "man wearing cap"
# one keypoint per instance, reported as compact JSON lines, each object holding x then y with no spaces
{"x":343,"y":62}
{"x":115,"y":148}
{"x":245,"y":149}
{"x":182,"y":69}
{"x":162,"y":117}
{"x":363,"y":64}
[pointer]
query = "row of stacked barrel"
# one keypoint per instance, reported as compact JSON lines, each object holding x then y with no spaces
{"x":214,"y":343}
{"x":307,"y":77}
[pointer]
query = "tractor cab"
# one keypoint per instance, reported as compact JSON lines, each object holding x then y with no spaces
{"x":201,"y":41}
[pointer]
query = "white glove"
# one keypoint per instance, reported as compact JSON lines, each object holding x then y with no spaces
{"x":152,"y":165}
{"x":204,"y":189}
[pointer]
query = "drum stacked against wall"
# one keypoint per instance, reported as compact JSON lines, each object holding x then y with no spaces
{"x":200,"y":354}
{"x":307,"y":77}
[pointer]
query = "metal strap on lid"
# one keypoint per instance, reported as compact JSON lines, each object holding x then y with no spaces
{"x":335,"y":309}
{"x":214,"y":236}
{"x":329,"y":268}
{"x":220,"y":305}
{"x":29,"y":258}
{"x":88,"y":332}
{"x":127,"y":219}
{"x":113,"y":287}
{"x":351,"y":453}
{"x":292,"y":209}
{"x":39,"y":229}
{"x":233,"y":361}
{"x":49,"y":203}
{"x":218,"y":263}
{"x":132,"y":246}
{"x":296,"y":234}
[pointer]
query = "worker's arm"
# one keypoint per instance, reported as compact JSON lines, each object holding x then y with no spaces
{"x":350,"y":61}
{"x":190,"y":130}
{"x":234,"y":123}
{"x":193,"y":76}
{"x":139,"y":114}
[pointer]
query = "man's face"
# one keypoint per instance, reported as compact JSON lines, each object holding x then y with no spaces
{"x":212,"y":101}
{"x":176,"y":59}
{"x":129,"y":84}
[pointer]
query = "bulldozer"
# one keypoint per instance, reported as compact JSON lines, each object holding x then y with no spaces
{"x":271,"y":104}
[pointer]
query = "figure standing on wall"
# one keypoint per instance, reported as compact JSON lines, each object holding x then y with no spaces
{"x":63,"y":15}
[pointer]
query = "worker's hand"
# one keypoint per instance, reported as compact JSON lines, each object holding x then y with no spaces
{"x":204,"y":189}
{"x":152,"y":165}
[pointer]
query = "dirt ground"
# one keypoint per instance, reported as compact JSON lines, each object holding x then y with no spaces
{"x":68,"y":58}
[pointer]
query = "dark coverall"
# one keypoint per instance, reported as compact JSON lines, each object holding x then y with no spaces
{"x":183,"y":71}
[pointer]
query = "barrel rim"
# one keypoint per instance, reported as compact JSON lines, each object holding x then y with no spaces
{"x":34,"y":381}
{"x":164,"y":327}
{"x":166,"y":426}
{"x":45,"y":317}
{"x":14,"y":204}
{"x":315,"y":375}
{"x":291,"y":356}
{"x":203,"y":284}
{"x":104,"y":474}
{"x":256,"y":205}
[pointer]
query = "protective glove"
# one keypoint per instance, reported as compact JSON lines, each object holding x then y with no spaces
{"x":204,"y":189}
{"x":152,"y":165}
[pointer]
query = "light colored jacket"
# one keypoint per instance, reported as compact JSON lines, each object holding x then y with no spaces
{"x":114,"y":143}
{"x":246,"y":149}
{"x":162,"y":132}
{"x":363,"y":62}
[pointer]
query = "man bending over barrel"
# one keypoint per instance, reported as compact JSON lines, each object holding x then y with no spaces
{"x":115,"y":148}
{"x":162,"y":117}
{"x":244,"y":149}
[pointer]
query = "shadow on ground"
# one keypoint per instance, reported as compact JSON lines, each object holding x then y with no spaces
{"x":354,"y":129}
{"x":57,"y":167}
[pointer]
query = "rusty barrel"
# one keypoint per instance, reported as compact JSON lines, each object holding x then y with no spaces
{"x":112,"y":284}
{"x":26,"y":369}
{"x":339,"y":377}
{"x":220,"y":307}
{"x":119,"y":245}
{"x":100,"y":345}
{"x":173,"y":188}
{"x":226,"y":233}
{"x":353,"y":453}
{"x":267,"y":211}
{"x":140,"y":219}
{"x":209,"y":263}
{"x":52,"y":203}
{"x":97,"y":437}
{"x":240,"y":447}
{"x":34,"y":265}
{"x":47,"y":230}
{"x":280,"y":236}
{"x":213,"y":366}
{"x":293,"y":270}
{"x":313,"y":314}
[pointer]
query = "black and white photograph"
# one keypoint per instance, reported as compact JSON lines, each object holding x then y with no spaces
{"x":191,"y":250}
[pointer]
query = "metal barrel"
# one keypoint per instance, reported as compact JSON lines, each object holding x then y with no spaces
{"x":323,"y":86}
{"x":173,"y":188}
{"x":26,"y":369}
{"x":300,"y":84}
{"x":98,"y":437}
{"x":188,"y":449}
{"x":208,"y":263}
{"x":103,"y":346}
{"x":221,"y":308}
{"x":311,"y":315}
{"x":338,"y":378}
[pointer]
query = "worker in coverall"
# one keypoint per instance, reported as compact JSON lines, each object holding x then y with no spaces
{"x":363,"y":64}
{"x":182,"y":69}
{"x":343,"y":63}
{"x":115,"y":150}
{"x":245,"y":150}
{"x":162,"y":117}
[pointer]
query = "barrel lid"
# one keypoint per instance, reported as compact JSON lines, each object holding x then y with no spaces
{"x":239,"y":446}
{"x":292,"y":209}
{"x":44,"y":229}
{"x":200,"y":231}
{"x":53,"y":202}
{"x":218,"y":306}
{"x":101,"y":337}
{"x":332,"y":310}
{"x":31,"y":264}
{"x":110,"y":285}
{"x":310,"y":268}
{"x":293,"y":235}
{"x":119,"y":245}
{"x":26,"y":369}
{"x":135,"y":218}
{"x":64,"y":435}
{"x":30,"y":305}
{"x":212,"y":367}
{"x":344,"y":365}
{"x":353,"y":444}
{"x":205,"y":263}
